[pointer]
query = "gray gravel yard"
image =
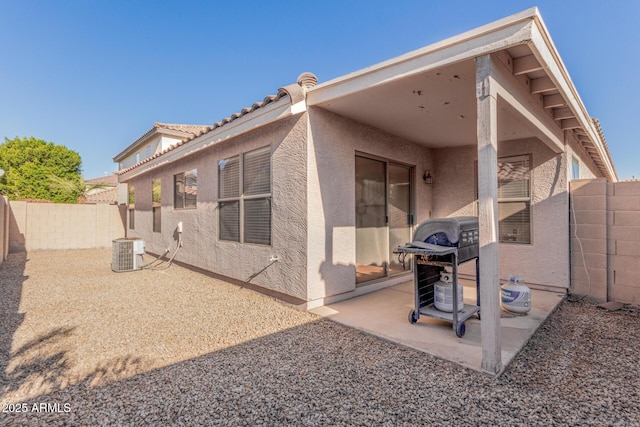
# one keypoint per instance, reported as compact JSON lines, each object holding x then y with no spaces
{"x":81,"y":345}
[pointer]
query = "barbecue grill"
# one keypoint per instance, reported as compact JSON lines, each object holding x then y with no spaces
{"x":439,"y":243}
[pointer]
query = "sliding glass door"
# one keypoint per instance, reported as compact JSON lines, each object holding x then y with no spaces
{"x":383,"y":216}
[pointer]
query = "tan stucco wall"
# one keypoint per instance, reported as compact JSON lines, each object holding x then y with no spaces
{"x":202,"y":248}
{"x":157,"y":143}
{"x":333,"y":143}
{"x":546,"y":260}
{"x":40,"y":226}
{"x":588,"y":169}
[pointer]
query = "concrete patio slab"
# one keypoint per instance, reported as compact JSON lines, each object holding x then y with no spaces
{"x":384,"y":313}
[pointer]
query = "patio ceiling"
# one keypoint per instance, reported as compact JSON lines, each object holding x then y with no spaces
{"x":429,"y":95}
{"x":435,"y":108}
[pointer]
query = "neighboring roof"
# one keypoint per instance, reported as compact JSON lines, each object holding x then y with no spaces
{"x":107,"y":180}
{"x":294,"y":92}
{"x":105,"y":195}
{"x":180,"y":131}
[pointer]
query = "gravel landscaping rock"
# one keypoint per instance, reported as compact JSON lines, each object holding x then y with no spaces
{"x":82,"y":345}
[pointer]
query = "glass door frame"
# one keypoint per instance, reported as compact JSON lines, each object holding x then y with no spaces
{"x":412,"y":204}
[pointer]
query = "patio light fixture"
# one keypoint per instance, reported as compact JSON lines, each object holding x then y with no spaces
{"x":427,"y":177}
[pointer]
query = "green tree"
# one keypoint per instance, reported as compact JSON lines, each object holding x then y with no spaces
{"x":36,"y":169}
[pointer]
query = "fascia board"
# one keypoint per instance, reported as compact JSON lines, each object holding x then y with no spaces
{"x":543,"y":48}
{"x":481,"y":41}
{"x":261,"y":117}
{"x":124,"y":153}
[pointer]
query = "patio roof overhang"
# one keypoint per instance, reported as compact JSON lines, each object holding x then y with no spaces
{"x":428,"y":96}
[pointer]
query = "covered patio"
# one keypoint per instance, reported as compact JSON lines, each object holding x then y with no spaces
{"x":501,"y":87}
{"x":384,"y":314}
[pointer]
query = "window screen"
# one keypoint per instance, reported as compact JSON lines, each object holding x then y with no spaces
{"x":245,"y":197}
{"x":229,"y":178}
{"x":514,"y":199}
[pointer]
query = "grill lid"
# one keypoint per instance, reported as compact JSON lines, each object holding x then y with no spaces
{"x":450,"y":227}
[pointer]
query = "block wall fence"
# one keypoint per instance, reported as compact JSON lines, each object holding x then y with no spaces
{"x":605,"y":240}
{"x":46,"y":226}
{"x":4,"y":228}
{"x":604,"y":243}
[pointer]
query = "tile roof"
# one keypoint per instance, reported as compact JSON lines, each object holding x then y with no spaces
{"x":186,"y":131}
{"x":105,"y":195}
{"x":109,"y":180}
{"x":282,"y":92}
{"x":596,"y":122}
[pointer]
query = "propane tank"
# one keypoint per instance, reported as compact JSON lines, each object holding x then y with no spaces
{"x":516,"y":297}
{"x":444,"y":293}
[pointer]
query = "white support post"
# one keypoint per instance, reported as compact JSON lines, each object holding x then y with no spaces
{"x":487,"y":132}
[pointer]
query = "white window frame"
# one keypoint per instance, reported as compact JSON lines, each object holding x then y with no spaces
{"x":242,"y":197}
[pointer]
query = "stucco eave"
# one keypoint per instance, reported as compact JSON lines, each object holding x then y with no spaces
{"x":490,"y":38}
{"x":547,"y":55}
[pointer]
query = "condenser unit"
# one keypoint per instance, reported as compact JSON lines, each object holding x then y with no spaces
{"x":126,"y":254}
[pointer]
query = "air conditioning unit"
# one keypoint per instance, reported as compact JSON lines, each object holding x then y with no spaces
{"x":126,"y":254}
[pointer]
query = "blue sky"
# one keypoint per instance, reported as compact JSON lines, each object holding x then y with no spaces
{"x":95,"y":75}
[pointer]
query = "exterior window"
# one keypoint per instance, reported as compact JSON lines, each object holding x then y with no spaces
{"x":514,"y":199}
{"x":185,"y":186}
{"x":156,"y":201}
{"x":575,"y":168}
{"x":244,"y":197}
{"x":138,"y":157}
{"x":147,"y":153}
{"x":132,"y":210}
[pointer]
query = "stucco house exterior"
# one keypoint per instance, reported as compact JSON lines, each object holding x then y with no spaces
{"x":307,"y":193}
{"x":157,"y":139}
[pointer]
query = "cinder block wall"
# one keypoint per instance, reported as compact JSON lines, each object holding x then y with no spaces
{"x":623,"y":241}
{"x":588,"y":234}
{"x":4,"y":228}
{"x":605,"y":240}
{"x":39,"y":226}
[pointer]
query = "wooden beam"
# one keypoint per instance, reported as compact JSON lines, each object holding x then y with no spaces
{"x":570,"y":124}
{"x":489,"y":257}
{"x":563,"y":113}
{"x":543,"y":84}
{"x":553,"y":101}
{"x":526,"y":64}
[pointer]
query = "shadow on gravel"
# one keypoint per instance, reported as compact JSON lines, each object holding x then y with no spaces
{"x":35,"y":367}
{"x":11,"y":279}
{"x":322,"y":373}
{"x":41,"y":365}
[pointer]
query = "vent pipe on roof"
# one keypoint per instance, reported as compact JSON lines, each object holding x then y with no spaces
{"x":307,"y":80}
